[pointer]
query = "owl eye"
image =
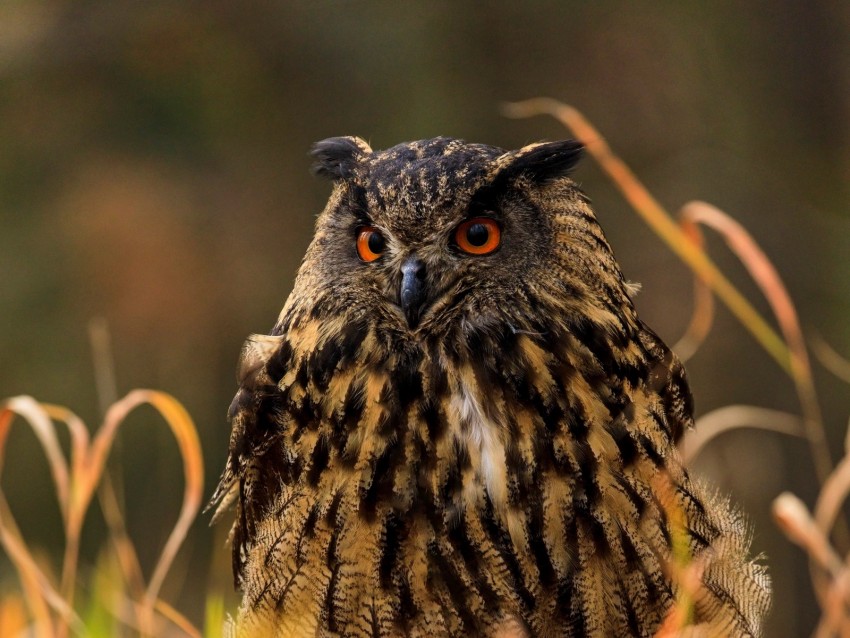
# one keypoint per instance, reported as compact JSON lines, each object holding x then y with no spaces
{"x":370,"y":243}
{"x":478,"y":236}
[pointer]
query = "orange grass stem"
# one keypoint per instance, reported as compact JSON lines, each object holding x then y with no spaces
{"x":678,"y":241}
{"x":770,"y":283}
{"x":658,"y":219}
{"x":75,"y":487}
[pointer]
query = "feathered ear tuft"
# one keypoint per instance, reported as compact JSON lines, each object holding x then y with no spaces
{"x":544,"y":162}
{"x":337,"y":157}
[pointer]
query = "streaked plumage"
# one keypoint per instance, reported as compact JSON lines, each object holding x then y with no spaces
{"x":487,"y":462}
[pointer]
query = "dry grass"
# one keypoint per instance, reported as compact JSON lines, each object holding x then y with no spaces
{"x":47,"y":608}
{"x":787,"y":346}
{"x":50,"y":604}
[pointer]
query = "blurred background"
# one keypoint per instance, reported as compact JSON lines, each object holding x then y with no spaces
{"x":154,"y":173}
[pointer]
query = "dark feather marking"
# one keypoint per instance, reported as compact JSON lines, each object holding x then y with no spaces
{"x":693,"y":504}
{"x":394,"y":531}
{"x":446,"y":572}
{"x":358,"y":204}
{"x":698,"y":539}
{"x":270,"y":405}
{"x":352,"y":406}
{"x":623,"y":439}
{"x":332,"y":561}
{"x":264,"y":591}
{"x":240,"y":529}
{"x":333,"y":510}
{"x":635,"y":374}
{"x":664,"y":524}
{"x":519,"y":477}
{"x":631,"y":613}
{"x":282,"y":596}
{"x":381,"y":484}
{"x":588,"y":471}
{"x":346,"y":420}
{"x":408,"y":384}
{"x":678,"y":402}
{"x":283,"y":505}
{"x":594,"y":240}
{"x":276,"y":470}
{"x":500,"y":539}
{"x":728,"y":601}
{"x":477,"y":344}
{"x":423,"y":466}
{"x":452,"y":485}
{"x":388,"y":421}
{"x":408,"y":611}
{"x":534,"y":530}
{"x":650,"y":451}
{"x":656,"y":588}
{"x":460,"y":541}
{"x":318,"y":461}
{"x":302,"y":376}
{"x":307,"y":530}
{"x":279,"y":362}
{"x":570,"y":601}
{"x":576,"y":421}
{"x":566,"y":583}
{"x":660,"y":420}
{"x":505,"y":343}
{"x":598,"y":536}
{"x":592,"y":337}
{"x":630,"y":553}
{"x":432,"y":414}
{"x":599,"y":342}
{"x":631,"y":493}
{"x":336,"y":353}
{"x":271,"y":550}
{"x":518,"y":379}
{"x":544,"y":451}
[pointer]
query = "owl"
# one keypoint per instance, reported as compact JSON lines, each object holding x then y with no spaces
{"x":459,"y":426}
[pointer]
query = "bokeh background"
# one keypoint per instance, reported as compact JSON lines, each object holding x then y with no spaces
{"x":154,"y":173}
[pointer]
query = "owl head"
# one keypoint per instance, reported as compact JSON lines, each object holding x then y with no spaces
{"x":435,"y":235}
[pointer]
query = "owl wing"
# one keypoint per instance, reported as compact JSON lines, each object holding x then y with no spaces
{"x":667,"y":379}
{"x":247,"y":441}
{"x":733,"y":596}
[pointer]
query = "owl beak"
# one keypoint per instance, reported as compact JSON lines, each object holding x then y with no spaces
{"x":413,"y":289}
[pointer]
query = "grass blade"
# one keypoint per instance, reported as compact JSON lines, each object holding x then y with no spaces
{"x":734,"y":417}
{"x":186,"y":435}
{"x":658,"y":219}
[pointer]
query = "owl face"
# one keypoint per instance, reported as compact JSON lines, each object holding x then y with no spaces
{"x":428,"y":235}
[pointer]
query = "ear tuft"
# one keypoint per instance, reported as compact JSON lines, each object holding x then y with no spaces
{"x":546,"y":161}
{"x":337,"y":157}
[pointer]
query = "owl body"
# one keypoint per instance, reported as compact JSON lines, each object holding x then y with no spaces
{"x":460,"y":427}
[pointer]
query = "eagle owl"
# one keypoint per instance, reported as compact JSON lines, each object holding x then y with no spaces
{"x":459,"y":426}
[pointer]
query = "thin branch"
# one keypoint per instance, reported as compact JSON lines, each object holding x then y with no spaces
{"x":829,"y":358}
{"x":734,"y":417}
{"x":658,"y":219}
{"x":770,"y":283}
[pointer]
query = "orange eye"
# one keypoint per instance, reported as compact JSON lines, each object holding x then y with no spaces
{"x":478,"y":236}
{"x":370,"y":243}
